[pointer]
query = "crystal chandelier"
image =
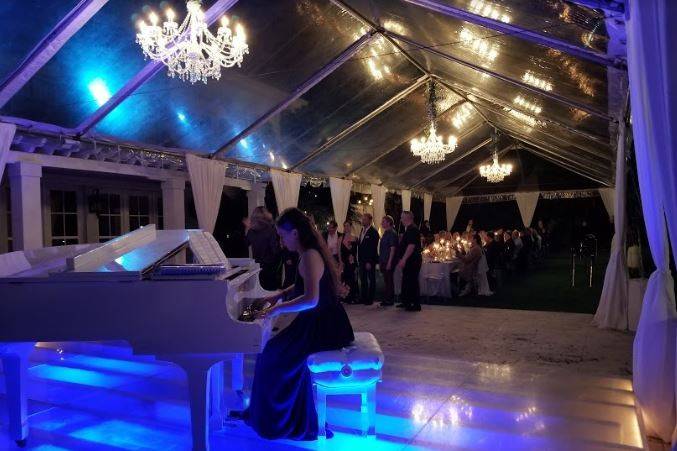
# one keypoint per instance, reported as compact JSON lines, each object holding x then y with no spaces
{"x":432,"y":148}
{"x":495,"y":172}
{"x":190,"y":51}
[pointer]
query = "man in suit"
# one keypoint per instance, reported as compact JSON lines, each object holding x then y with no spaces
{"x":333,"y":239}
{"x":367,"y":257}
{"x":409,"y":254}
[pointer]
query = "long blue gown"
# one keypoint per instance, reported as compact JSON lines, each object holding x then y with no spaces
{"x":282,"y":403}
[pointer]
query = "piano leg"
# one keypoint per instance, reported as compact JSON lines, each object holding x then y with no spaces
{"x":197,"y":370}
{"x":237,"y":373}
{"x":16,"y":369}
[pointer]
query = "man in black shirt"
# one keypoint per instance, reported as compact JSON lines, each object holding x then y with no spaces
{"x":367,"y":257}
{"x":409,"y":253}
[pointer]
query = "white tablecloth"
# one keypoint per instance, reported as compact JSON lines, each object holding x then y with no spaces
{"x":433,"y":279}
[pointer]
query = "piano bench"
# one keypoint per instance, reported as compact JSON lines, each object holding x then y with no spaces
{"x":353,"y":370}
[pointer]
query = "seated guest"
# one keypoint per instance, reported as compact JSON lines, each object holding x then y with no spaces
{"x":367,"y":257}
{"x":348,"y":256}
{"x":282,"y":405}
{"x":410,"y":260}
{"x":386,"y":259}
{"x":470,"y":262}
{"x":332,"y":238}
{"x":261,"y":236}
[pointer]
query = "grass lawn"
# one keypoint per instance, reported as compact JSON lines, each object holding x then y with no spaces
{"x":545,"y":287}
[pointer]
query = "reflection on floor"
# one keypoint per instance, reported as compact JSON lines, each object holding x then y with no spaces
{"x":99,"y":396}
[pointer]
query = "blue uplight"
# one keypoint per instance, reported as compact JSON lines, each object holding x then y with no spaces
{"x":181,"y":116}
{"x":99,"y":91}
{"x":78,"y":376}
{"x":124,"y":434}
{"x":244,"y":143}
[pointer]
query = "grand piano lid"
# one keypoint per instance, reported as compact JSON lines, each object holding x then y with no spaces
{"x":126,"y":257}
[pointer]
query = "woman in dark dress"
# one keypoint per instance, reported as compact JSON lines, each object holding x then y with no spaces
{"x":282,"y":403}
{"x":348,"y":254}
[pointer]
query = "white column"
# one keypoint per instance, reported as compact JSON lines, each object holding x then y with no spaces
{"x":256,"y":197}
{"x":173,"y":207}
{"x":24,"y":185}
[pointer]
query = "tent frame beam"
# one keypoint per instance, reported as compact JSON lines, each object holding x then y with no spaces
{"x":145,"y":74}
{"x":45,"y":50}
{"x":353,"y":127}
{"x":513,"y":30}
{"x":529,"y":148}
{"x":316,"y":78}
{"x":420,"y":47}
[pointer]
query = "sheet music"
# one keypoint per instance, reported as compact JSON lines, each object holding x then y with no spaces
{"x":206,"y":249}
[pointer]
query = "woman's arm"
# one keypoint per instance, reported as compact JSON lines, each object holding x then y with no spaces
{"x":311,"y":268}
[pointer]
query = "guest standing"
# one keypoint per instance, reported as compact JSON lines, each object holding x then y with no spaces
{"x":348,"y":265}
{"x":470,"y":262}
{"x":282,"y":405}
{"x":367,"y":256}
{"x":409,"y":253}
{"x":386,"y":259}
{"x":265,"y":244}
{"x":332,"y":237}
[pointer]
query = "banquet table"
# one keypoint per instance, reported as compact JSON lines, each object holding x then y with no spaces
{"x":434,"y":278}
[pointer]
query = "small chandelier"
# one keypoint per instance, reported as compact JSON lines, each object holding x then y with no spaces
{"x":495,"y":172}
{"x":432,"y":148}
{"x":190,"y":51}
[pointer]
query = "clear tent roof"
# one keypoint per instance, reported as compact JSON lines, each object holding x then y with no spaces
{"x":544,"y":73}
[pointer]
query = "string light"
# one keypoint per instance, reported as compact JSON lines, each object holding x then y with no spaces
{"x":527,"y":105}
{"x":538,"y":82}
{"x":479,"y":46}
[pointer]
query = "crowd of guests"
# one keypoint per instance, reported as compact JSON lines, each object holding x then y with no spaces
{"x":357,"y":254}
{"x":486,"y":257}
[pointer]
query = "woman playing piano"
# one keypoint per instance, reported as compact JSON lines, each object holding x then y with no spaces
{"x":282,"y":397}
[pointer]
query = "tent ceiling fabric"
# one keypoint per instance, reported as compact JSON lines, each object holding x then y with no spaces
{"x":357,"y":121}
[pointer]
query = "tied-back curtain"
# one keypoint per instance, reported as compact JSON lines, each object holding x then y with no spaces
{"x":6,"y":136}
{"x":206,"y":181}
{"x":609,"y":198}
{"x":652,"y":66}
{"x":406,"y":200}
{"x":340,"y":199}
{"x":427,"y":205}
{"x":452,"y":204}
{"x":286,"y":186}
{"x":526,"y":202}
{"x":612,"y":311}
{"x":378,"y":195}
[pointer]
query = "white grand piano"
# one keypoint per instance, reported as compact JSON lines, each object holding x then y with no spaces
{"x":128,"y":289}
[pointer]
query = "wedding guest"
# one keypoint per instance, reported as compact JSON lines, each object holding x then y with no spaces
{"x":332,"y":238}
{"x":367,"y":257}
{"x":348,"y":256}
{"x":469,"y":227}
{"x":470,"y":262}
{"x":492,"y":252}
{"x":409,"y":254}
{"x":426,"y":233}
{"x":261,"y":236}
{"x":282,"y":405}
{"x":508,"y":252}
{"x":386,"y":259}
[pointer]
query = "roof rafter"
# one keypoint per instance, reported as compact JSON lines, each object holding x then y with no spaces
{"x":512,"y":81}
{"x":539,"y":153}
{"x":145,"y":74}
{"x":48,"y":47}
{"x":316,"y":78}
{"x":514,"y":30}
{"x":353,"y":127}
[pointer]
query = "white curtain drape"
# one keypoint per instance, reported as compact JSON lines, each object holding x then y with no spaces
{"x":286,"y":186}
{"x":526,"y":202}
{"x":206,"y":181}
{"x":652,"y":71}
{"x":406,"y":200}
{"x":427,"y":205}
{"x":612,"y":311}
{"x":608,"y":196}
{"x":452,"y":204}
{"x":378,"y":195}
{"x":340,"y":199}
{"x":6,"y":136}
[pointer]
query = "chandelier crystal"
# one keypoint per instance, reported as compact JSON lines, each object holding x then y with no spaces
{"x":495,"y":172}
{"x":190,"y":51}
{"x":432,"y":148}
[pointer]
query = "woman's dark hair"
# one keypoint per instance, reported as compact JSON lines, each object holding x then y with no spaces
{"x":309,"y":238}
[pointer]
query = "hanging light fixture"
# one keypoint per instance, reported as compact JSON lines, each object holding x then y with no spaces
{"x":495,"y":172}
{"x":190,"y":51}
{"x":432,"y":148}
